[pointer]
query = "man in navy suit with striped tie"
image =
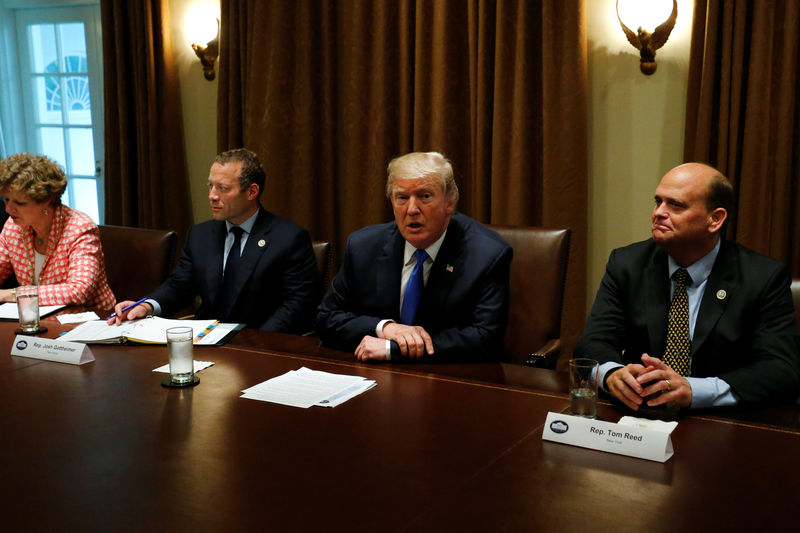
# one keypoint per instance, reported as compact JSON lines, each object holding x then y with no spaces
{"x":432,"y":285}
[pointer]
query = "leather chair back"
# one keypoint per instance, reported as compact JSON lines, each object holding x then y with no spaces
{"x":538,"y":274}
{"x":137,"y":260}
{"x":324,"y":257}
{"x":796,"y":299}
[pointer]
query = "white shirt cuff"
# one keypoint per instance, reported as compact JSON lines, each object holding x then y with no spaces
{"x":603,"y":370}
{"x":156,"y":307}
{"x":710,"y":392}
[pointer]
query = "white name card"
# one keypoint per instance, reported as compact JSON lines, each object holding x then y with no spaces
{"x":630,"y":438}
{"x":74,"y":353}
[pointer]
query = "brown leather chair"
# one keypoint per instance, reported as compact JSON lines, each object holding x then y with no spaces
{"x":324,"y":257}
{"x":538,"y":273}
{"x":137,"y":260}
{"x":796,"y":299}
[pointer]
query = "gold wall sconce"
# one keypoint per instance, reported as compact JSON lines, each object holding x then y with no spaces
{"x":201,"y":25}
{"x":643,"y":40}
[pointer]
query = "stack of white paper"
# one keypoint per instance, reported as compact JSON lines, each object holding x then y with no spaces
{"x":305,"y":387}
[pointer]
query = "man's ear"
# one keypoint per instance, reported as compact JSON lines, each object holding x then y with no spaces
{"x":252,"y":191}
{"x":716,"y":219}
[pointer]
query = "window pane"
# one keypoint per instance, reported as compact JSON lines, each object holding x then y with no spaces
{"x":43,"y":48}
{"x":79,"y":103}
{"x":81,"y":150}
{"x":73,"y":47}
{"x":51,"y":143}
{"x":47,"y":99}
{"x":86,"y":197}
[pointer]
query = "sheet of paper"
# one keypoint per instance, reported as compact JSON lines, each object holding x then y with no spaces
{"x":306,"y":388}
{"x":350,"y":392}
{"x":75,"y":318}
{"x":95,"y":330}
{"x":198,"y":366}
{"x":9,"y":310}
{"x":645,"y":423}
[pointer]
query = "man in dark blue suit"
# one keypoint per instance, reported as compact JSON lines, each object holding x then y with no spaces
{"x":740,"y":342}
{"x":431,"y":285}
{"x":247,"y":265}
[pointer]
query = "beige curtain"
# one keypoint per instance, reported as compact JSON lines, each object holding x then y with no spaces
{"x":146,"y":183}
{"x":743,"y":117}
{"x":328,"y":92}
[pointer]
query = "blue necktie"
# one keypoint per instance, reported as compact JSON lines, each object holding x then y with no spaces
{"x":413,"y":290}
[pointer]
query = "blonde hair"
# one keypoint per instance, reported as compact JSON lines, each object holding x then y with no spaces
{"x":418,"y":165}
{"x":34,"y":176}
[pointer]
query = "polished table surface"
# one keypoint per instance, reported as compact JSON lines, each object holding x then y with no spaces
{"x":103,"y":446}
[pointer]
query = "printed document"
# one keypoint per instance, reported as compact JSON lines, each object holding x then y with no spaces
{"x":306,"y":388}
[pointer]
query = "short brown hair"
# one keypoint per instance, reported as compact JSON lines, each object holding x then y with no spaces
{"x":39,"y":178}
{"x":252,"y":171}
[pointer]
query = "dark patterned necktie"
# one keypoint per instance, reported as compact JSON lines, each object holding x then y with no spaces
{"x":679,"y":344}
{"x":413,"y":292}
{"x":227,"y":296}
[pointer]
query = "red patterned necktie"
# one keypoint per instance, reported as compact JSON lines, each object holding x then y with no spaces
{"x":679,"y":344}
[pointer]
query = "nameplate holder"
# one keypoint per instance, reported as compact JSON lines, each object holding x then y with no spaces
{"x":629,"y":439}
{"x":74,"y":353}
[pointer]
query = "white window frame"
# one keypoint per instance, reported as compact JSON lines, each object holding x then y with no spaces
{"x":16,"y":100}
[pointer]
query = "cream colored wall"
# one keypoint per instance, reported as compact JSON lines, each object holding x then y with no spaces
{"x":199,"y":103}
{"x":636,"y":127}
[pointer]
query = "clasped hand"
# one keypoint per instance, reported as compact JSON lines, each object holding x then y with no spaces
{"x":414,"y":342}
{"x":653,"y":382}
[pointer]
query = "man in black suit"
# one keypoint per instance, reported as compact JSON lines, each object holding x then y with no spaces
{"x":742,"y":343}
{"x":247,"y":265}
{"x":376,"y":305}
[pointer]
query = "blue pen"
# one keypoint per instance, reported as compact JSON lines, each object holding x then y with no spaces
{"x":128,"y":308}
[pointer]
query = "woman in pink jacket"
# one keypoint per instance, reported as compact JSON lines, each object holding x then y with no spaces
{"x":48,"y":244}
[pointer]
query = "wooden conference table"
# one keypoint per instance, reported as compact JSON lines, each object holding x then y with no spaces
{"x":103,"y":447}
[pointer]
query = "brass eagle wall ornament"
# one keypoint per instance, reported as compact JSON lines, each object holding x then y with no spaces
{"x":647,"y":43}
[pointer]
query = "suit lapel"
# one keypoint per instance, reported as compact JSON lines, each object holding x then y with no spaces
{"x":256,"y":245}
{"x":389,"y":268}
{"x":445,"y":270}
{"x":657,"y":287}
{"x":720,"y":287}
{"x":216,"y":254}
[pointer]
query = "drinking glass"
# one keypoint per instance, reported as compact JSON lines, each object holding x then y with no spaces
{"x":28,"y":307}
{"x":583,"y":375}
{"x":181,"y":356}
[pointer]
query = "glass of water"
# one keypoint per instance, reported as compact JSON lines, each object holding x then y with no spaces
{"x":583,"y":387}
{"x":181,"y":357}
{"x":28,"y":307}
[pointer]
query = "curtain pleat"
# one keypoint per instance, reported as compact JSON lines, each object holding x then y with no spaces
{"x":146,"y":182}
{"x":742,"y":115}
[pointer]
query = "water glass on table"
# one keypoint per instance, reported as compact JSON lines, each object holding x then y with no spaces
{"x":583,"y":374}
{"x":181,"y":357}
{"x":28,"y":308}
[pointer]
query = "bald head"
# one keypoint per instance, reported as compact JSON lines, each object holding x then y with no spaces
{"x":692,"y":202}
{"x":719,"y":189}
